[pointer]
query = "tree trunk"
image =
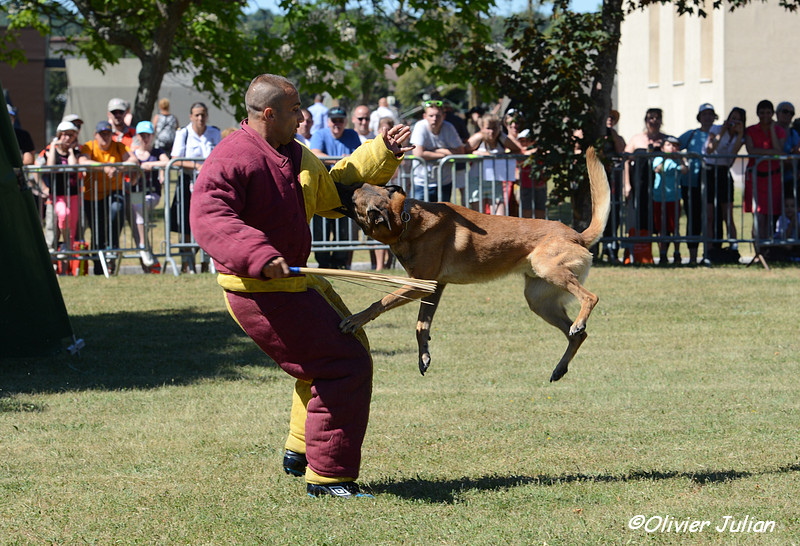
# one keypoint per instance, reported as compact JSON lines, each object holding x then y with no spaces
{"x":156,"y":58}
{"x":611,"y":19}
{"x":150,"y":77}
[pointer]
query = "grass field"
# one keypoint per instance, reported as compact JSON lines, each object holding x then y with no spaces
{"x":682,"y":406}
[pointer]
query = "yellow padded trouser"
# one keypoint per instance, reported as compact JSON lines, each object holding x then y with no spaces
{"x":296,"y":440}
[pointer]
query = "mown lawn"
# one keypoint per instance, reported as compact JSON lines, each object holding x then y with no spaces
{"x":682,"y":405}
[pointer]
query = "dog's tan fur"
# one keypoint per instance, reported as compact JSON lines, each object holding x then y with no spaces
{"x":452,"y":244}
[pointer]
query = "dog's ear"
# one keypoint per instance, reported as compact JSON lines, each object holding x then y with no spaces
{"x":393,"y":188}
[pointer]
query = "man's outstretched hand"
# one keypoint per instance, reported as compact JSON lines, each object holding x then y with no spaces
{"x":395,"y":137}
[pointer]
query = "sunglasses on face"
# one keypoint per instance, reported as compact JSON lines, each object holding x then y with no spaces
{"x":790,"y":112}
{"x":118,"y":112}
{"x":362,"y":119}
{"x":436,"y":103}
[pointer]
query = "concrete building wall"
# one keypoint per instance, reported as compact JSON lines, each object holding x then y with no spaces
{"x":90,"y":90}
{"x":727,"y":59}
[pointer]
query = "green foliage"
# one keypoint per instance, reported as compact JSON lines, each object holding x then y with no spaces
{"x":410,"y":83}
{"x":178,"y":35}
{"x":323,"y":45}
{"x":546,"y":71}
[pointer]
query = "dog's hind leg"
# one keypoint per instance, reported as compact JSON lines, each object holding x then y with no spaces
{"x":588,"y":301}
{"x":565,"y":273}
{"x":548,"y":302}
{"x":427,"y":308}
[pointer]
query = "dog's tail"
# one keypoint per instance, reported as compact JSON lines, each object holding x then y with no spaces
{"x":601,"y":198}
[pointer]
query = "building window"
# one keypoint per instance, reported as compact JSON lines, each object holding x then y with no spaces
{"x":707,"y":44}
{"x":655,"y":39}
{"x":678,"y":48}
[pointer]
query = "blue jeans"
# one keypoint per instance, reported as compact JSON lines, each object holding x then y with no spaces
{"x":432,"y":192}
{"x":105,"y":219}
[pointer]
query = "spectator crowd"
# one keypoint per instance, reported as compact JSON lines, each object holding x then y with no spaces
{"x":656,"y":178}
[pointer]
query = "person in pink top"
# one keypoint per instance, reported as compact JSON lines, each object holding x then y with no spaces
{"x":764,"y":138}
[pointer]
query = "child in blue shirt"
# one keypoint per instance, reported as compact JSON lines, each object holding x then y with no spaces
{"x":666,"y":194}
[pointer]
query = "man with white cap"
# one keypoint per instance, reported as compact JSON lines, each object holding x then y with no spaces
{"x":694,"y":141}
{"x":76,"y":120}
{"x":117,"y":108}
{"x":784,"y":114}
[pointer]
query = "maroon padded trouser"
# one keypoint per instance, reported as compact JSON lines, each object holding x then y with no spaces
{"x":300,"y":331}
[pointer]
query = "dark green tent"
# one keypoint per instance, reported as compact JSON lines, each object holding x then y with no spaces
{"x":33,"y":317}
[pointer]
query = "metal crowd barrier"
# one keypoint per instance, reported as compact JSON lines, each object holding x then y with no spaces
{"x":101,"y":199}
{"x":704,"y":217}
{"x":176,"y":217}
{"x":485,"y":183}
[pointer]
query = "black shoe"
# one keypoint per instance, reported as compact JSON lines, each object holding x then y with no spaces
{"x":294,"y":463}
{"x":344,"y":490}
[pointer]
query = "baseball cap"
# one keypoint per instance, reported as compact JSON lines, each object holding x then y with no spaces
{"x":337,"y":112}
{"x":705,"y":106}
{"x":117,"y":104}
{"x":66,"y":126}
{"x":11,"y":110}
{"x":144,"y":127}
{"x":72,"y":117}
{"x":785,"y":105}
{"x":102,"y":126}
{"x":672,"y":140}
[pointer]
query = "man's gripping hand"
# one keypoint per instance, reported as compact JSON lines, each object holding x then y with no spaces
{"x":276,"y":268}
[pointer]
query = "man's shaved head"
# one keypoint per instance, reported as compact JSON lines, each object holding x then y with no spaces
{"x":266,"y":90}
{"x":273,"y":109}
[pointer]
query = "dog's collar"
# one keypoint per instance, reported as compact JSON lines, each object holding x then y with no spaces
{"x":405,"y":216}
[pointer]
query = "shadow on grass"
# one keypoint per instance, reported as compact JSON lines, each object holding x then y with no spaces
{"x":138,"y":351}
{"x":446,"y":491}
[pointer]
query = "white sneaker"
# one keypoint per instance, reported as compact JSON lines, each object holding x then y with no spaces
{"x":147,"y":258}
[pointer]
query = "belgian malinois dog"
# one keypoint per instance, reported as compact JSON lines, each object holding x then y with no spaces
{"x":453,"y":244}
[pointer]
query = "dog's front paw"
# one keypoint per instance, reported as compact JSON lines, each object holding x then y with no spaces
{"x":351,"y":324}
